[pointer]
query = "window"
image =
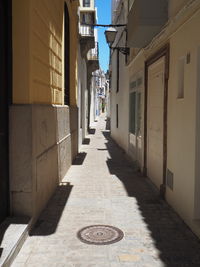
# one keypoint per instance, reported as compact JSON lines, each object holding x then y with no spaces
{"x":132,"y":123}
{"x":135,"y":113}
{"x":86,"y":3}
{"x":87,"y":18}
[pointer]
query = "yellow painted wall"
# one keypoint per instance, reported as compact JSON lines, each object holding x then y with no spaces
{"x":74,"y":51}
{"x":38,"y":73}
{"x":21,"y":51}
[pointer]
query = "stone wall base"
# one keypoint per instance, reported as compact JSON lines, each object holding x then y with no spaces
{"x":40,"y":155}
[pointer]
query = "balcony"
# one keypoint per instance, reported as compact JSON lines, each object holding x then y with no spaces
{"x":93,"y":58}
{"x":145,"y":20}
{"x":86,"y":30}
{"x":87,"y":39}
{"x":93,"y":54}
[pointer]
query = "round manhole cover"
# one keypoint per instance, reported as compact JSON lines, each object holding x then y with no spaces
{"x":100,"y":234}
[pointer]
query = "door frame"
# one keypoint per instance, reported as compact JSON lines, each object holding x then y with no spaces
{"x":163,"y":52}
{"x":138,"y":90}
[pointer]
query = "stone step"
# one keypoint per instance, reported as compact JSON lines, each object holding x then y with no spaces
{"x":13,"y":233}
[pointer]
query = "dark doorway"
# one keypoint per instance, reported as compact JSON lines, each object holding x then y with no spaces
{"x":67,"y":57}
{"x":5,"y":96}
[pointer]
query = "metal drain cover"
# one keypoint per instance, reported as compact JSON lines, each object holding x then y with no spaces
{"x":100,"y":234}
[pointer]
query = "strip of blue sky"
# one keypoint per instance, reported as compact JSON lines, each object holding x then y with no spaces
{"x":104,"y":17}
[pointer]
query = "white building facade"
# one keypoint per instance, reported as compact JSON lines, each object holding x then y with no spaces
{"x":88,"y":61}
{"x":161,"y":122}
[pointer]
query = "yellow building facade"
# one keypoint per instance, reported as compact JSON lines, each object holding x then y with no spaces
{"x":43,"y":115}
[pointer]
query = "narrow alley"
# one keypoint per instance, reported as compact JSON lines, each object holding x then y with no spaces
{"x":102,"y":188}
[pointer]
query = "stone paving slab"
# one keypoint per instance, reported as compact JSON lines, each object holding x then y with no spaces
{"x":13,"y":232}
{"x":104,"y":188}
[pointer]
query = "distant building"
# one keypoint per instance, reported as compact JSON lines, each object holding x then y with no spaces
{"x":88,"y":62}
{"x":99,"y":91}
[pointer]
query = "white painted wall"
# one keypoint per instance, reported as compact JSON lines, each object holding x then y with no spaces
{"x":183,"y":133}
{"x":182,"y":120}
{"x":120,"y":134}
{"x":82,"y":97}
{"x":136,"y":70}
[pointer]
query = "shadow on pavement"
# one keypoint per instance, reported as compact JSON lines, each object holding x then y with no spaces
{"x":50,"y":217}
{"x":178,"y":246}
{"x":79,"y":158}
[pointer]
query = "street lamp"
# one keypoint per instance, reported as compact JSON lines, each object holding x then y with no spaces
{"x":110,"y":34}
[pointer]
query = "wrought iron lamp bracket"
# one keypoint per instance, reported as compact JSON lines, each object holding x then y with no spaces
{"x":123,"y":50}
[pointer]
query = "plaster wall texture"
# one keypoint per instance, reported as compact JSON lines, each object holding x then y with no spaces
{"x":136,"y":70}
{"x":74,"y":130}
{"x":182,"y":121}
{"x":43,"y":132}
{"x":82,"y":97}
{"x":183,"y":126}
{"x":120,"y":134}
{"x":93,"y":102}
{"x":40,"y":157}
{"x":38,"y":48}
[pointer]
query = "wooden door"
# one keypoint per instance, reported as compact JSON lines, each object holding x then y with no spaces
{"x":155,"y":121}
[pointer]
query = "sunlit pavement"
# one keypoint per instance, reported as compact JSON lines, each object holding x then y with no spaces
{"x":103,"y":188}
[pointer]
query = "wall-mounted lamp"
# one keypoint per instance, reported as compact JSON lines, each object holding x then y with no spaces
{"x":110,"y":34}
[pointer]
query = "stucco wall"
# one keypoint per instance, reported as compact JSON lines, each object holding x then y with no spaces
{"x":43,"y":136}
{"x":38,"y":64}
{"x":82,"y":97}
{"x":136,"y":69}
{"x":39,"y":157}
{"x":183,"y":113}
{"x":21,"y":51}
{"x":183,"y":125}
{"x":121,"y":98}
{"x":182,"y":119}
{"x":46,"y":51}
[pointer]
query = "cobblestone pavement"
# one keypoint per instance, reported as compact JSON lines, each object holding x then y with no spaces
{"x":103,"y":188}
